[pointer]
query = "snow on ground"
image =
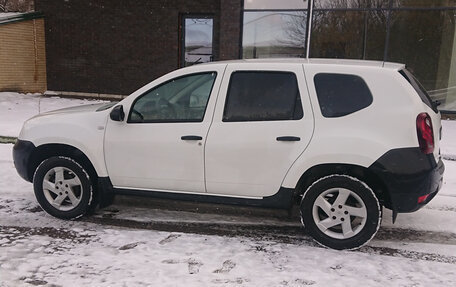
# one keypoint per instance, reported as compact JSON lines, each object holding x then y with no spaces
{"x":16,"y":108}
{"x":448,"y":143}
{"x":224,"y":249}
{"x":4,"y":15}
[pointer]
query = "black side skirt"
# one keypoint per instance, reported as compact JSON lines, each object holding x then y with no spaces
{"x":283,"y":199}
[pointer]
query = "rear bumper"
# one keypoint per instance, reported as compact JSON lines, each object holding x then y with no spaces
{"x":22,"y":152}
{"x":426,"y":184}
{"x":408,"y":174}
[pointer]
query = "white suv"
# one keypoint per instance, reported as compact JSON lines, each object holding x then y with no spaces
{"x":339,"y":138}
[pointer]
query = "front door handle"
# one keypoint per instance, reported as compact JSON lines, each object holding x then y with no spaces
{"x":288,"y":139}
{"x":191,"y":138}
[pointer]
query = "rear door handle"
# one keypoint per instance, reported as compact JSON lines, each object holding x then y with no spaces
{"x":191,"y":138}
{"x":288,"y":139}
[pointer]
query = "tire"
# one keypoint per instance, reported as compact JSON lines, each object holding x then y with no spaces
{"x":63,"y":188}
{"x":340,"y":212}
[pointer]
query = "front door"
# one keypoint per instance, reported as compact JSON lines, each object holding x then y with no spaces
{"x":160,"y":146}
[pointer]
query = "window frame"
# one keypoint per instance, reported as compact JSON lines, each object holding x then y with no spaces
{"x":164,"y":83}
{"x":182,"y":18}
{"x":263,"y":120}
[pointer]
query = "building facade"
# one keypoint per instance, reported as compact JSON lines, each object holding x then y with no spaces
{"x":114,"y":47}
{"x":22,"y":53}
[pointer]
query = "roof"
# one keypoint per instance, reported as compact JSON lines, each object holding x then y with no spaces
{"x":345,"y":62}
{"x":10,"y":17}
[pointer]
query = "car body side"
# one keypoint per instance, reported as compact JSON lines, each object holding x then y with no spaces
{"x":356,"y":141}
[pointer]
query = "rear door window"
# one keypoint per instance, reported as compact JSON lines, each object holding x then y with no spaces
{"x":341,"y":94}
{"x":262,"y":96}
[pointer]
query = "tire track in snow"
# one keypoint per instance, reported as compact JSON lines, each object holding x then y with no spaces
{"x":408,"y":254}
{"x":415,"y":236}
{"x":296,"y":235}
{"x":10,"y":234}
{"x":277,"y":234}
{"x":275,"y":229}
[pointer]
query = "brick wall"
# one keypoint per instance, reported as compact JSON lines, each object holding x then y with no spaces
{"x":115,"y":47}
{"x":22,"y":56}
{"x":230,"y":29}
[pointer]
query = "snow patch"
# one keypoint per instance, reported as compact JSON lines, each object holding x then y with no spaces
{"x":16,"y":108}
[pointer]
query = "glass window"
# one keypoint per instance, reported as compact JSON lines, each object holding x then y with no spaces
{"x":426,"y":42}
{"x":262,"y":96}
{"x":197,"y":40}
{"x":274,"y":34}
{"x":275,"y":4}
{"x":180,"y":100}
{"x":348,"y":34}
{"x":424,"y":3}
{"x":350,"y":4}
{"x":340,"y":94}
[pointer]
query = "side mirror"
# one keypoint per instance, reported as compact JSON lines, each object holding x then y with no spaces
{"x":117,"y":114}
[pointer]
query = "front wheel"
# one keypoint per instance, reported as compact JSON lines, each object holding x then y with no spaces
{"x":62,"y":187}
{"x":340,"y":212}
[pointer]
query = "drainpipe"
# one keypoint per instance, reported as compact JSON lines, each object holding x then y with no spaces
{"x":309,"y":29}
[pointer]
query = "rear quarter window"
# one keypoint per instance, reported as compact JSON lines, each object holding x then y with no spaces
{"x":341,"y":94}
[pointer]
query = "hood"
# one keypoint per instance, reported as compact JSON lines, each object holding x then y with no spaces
{"x":80,"y":109}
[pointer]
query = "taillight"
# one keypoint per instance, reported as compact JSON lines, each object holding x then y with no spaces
{"x":425,"y":133}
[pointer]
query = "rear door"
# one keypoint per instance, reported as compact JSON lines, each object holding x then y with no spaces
{"x":263,"y":121}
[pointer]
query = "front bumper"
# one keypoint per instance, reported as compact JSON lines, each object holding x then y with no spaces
{"x":408,"y":174}
{"x":22,"y":152}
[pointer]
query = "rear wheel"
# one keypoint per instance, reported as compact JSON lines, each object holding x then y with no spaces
{"x":62,"y":187}
{"x":340,"y":212}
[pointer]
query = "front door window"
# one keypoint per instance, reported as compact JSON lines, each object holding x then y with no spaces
{"x":182,"y":99}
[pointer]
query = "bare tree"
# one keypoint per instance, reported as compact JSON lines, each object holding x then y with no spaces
{"x":16,"y":5}
{"x":295,"y":28}
{"x":376,"y":4}
{"x":3,"y":4}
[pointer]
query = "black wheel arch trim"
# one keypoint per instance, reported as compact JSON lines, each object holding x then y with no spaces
{"x":362,"y":173}
{"x":27,"y":157}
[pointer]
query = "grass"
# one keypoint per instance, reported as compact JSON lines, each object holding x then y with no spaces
{"x":6,"y":140}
